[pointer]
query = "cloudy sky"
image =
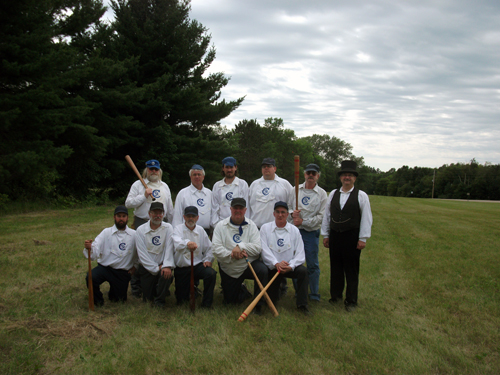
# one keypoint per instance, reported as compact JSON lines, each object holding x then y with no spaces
{"x":412,"y":83}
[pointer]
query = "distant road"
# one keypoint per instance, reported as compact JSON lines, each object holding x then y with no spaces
{"x":465,"y":200}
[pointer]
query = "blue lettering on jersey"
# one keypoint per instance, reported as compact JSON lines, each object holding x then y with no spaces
{"x":265,"y":191}
{"x":281,"y":242}
{"x":200,"y":202}
{"x":156,"y":240}
{"x":306,"y":200}
{"x":237,"y":238}
{"x":229,"y":196}
{"x":122,"y":246}
{"x":156,"y":193}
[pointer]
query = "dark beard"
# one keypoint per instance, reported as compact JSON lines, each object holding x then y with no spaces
{"x":121,"y":226}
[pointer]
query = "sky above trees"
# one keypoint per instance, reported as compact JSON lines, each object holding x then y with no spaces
{"x":404,"y":82}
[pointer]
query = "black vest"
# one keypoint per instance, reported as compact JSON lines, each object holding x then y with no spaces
{"x":347,"y":218}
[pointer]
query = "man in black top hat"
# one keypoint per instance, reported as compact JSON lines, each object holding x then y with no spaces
{"x":346,"y":227}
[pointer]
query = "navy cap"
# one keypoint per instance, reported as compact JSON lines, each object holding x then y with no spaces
{"x":197,"y":167}
{"x":191,"y":210}
{"x":312,"y":167}
{"x":229,"y":161}
{"x":269,"y":161}
{"x":281,"y":204}
{"x":238,"y":202}
{"x":153,"y":164}
{"x":121,"y":209}
{"x":156,"y":206}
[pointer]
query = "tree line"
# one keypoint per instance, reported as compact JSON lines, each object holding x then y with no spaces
{"x":79,"y":92}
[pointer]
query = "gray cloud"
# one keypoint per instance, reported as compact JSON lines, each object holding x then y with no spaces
{"x":404,"y":82}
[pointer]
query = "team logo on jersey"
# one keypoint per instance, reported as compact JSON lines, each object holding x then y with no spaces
{"x":281,"y":242}
{"x":122,"y":246}
{"x":200,"y":202}
{"x":156,"y":193}
{"x":229,"y":196}
{"x":306,"y":200}
{"x":265,"y":191}
{"x":237,"y":238}
{"x":156,"y":240}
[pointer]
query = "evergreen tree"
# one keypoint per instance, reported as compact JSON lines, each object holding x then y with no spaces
{"x":37,"y":103}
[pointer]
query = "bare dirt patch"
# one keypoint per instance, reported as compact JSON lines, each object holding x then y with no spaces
{"x":74,"y":329}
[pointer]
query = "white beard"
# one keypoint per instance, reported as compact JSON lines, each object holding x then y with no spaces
{"x":153,"y":177}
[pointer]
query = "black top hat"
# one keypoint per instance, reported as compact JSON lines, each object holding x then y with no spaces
{"x":348,"y":166}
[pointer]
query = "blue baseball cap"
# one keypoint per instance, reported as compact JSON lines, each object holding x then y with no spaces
{"x":197,"y":167}
{"x":229,"y":161}
{"x":269,"y":161}
{"x":153,"y":164}
{"x":312,"y":167}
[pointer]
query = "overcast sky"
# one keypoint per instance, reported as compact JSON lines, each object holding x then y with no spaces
{"x":412,"y":83}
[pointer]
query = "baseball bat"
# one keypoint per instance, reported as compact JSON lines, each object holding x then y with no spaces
{"x":297,"y":168}
{"x":134,"y":168}
{"x":256,"y":300}
{"x":91,"y":286}
{"x":192,"y":297}
{"x":266,"y":296}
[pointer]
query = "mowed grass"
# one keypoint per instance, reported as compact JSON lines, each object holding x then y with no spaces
{"x":428,"y":304}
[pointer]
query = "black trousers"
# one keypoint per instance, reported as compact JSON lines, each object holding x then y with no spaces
{"x":300,"y":274}
{"x":154,"y":287}
{"x":344,"y":265}
{"x":183,"y":280}
{"x":231,"y":287}
{"x":118,"y":283}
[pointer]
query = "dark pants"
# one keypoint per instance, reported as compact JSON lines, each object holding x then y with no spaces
{"x":118,"y":283}
{"x":299,"y":274}
{"x":154,"y":287}
{"x":231,"y":287}
{"x":183,"y":280}
{"x":344,"y":265}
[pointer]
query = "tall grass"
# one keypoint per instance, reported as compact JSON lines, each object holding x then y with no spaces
{"x":428,"y":304}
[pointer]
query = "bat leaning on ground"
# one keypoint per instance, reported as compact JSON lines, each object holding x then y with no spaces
{"x":257,"y":299}
{"x":297,"y":169}
{"x":266,"y":296}
{"x":90,"y":285}
{"x":134,"y":168}
{"x":192,"y":297}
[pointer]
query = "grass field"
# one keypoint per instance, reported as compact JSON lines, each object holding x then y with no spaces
{"x":428,"y":304}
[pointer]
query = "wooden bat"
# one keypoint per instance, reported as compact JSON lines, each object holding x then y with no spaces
{"x":297,"y":168}
{"x":256,"y":300}
{"x":266,"y":296}
{"x":192,"y":297}
{"x":91,"y":286}
{"x":134,"y":168}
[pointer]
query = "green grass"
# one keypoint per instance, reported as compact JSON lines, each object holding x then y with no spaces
{"x":428,"y":304}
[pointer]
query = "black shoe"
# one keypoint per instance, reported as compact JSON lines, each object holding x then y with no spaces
{"x":333,"y":301}
{"x":350,"y":307}
{"x":305,"y":310}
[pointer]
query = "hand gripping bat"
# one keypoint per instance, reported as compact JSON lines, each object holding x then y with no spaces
{"x":134,"y":168}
